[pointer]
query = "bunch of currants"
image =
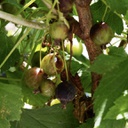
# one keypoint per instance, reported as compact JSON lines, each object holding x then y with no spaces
{"x":52,"y":63}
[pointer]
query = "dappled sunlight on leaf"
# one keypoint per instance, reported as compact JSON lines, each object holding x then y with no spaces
{"x":111,"y":88}
{"x":100,"y":114}
{"x":119,"y":110}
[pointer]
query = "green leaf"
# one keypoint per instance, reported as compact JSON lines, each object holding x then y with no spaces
{"x":114,"y":21}
{"x":10,"y":103}
{"x":13,"y":77}
{"x":31,"y":98}
{"x":79,"y":63}
{"x":6,"y":45}
{"x":110,"y":89}
{"x":111,"y":124}
{"x":11,"y":6}
{"x":42,"y":4}
{"x":86,"y":80}
{"x":15,"y":124}
{"x":82,"y":125}
{"x":119,"y":6}
{"x":4,"y":124}
{"x":75,"y":67}
{"x":97,"y":10}
{"x":89,"y":124}
{"x":126,"y":17}
{"x":49,"y":117}
{"x":119,"y":52}
{"x":83,"y":60}
{"x":14,"y":2}
{"x":106,"y":63}
{"x":120,"y":109}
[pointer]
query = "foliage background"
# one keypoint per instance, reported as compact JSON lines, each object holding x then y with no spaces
{"x":110,"y":98}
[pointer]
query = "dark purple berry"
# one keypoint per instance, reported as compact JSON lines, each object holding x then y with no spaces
{"x":65,"y":92}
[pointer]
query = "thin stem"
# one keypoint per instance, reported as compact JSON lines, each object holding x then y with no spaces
{"x":65,"y":65}
{"x":49,"y":5}
{"x":21,"y":21}
{"x":10,"y":79}
{"x":105,"y":3}
{"x":40,"y":55}
{"x":121,"y":17}
{"x":9,"y":54}
{"x":26,"y":6}
{"x":105,"y":12}
{"x":50,"y":12}
{"x":107,"y":6}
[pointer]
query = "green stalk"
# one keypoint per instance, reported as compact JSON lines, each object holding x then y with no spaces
{"x":40,"y":57}
{"x":50,"y":12}
{"x":48,"y":3}
{"x":105,"y":12}
{"x":107,"y":6}
{"x":26,"y":6}
{"x":65,"y":64}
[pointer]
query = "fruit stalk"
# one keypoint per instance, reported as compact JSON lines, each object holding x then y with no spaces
{"x":65,"y":64}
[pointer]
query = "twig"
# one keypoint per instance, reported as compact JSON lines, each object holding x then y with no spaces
{"x":20,"y":21}
{"x":85,"y":20}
